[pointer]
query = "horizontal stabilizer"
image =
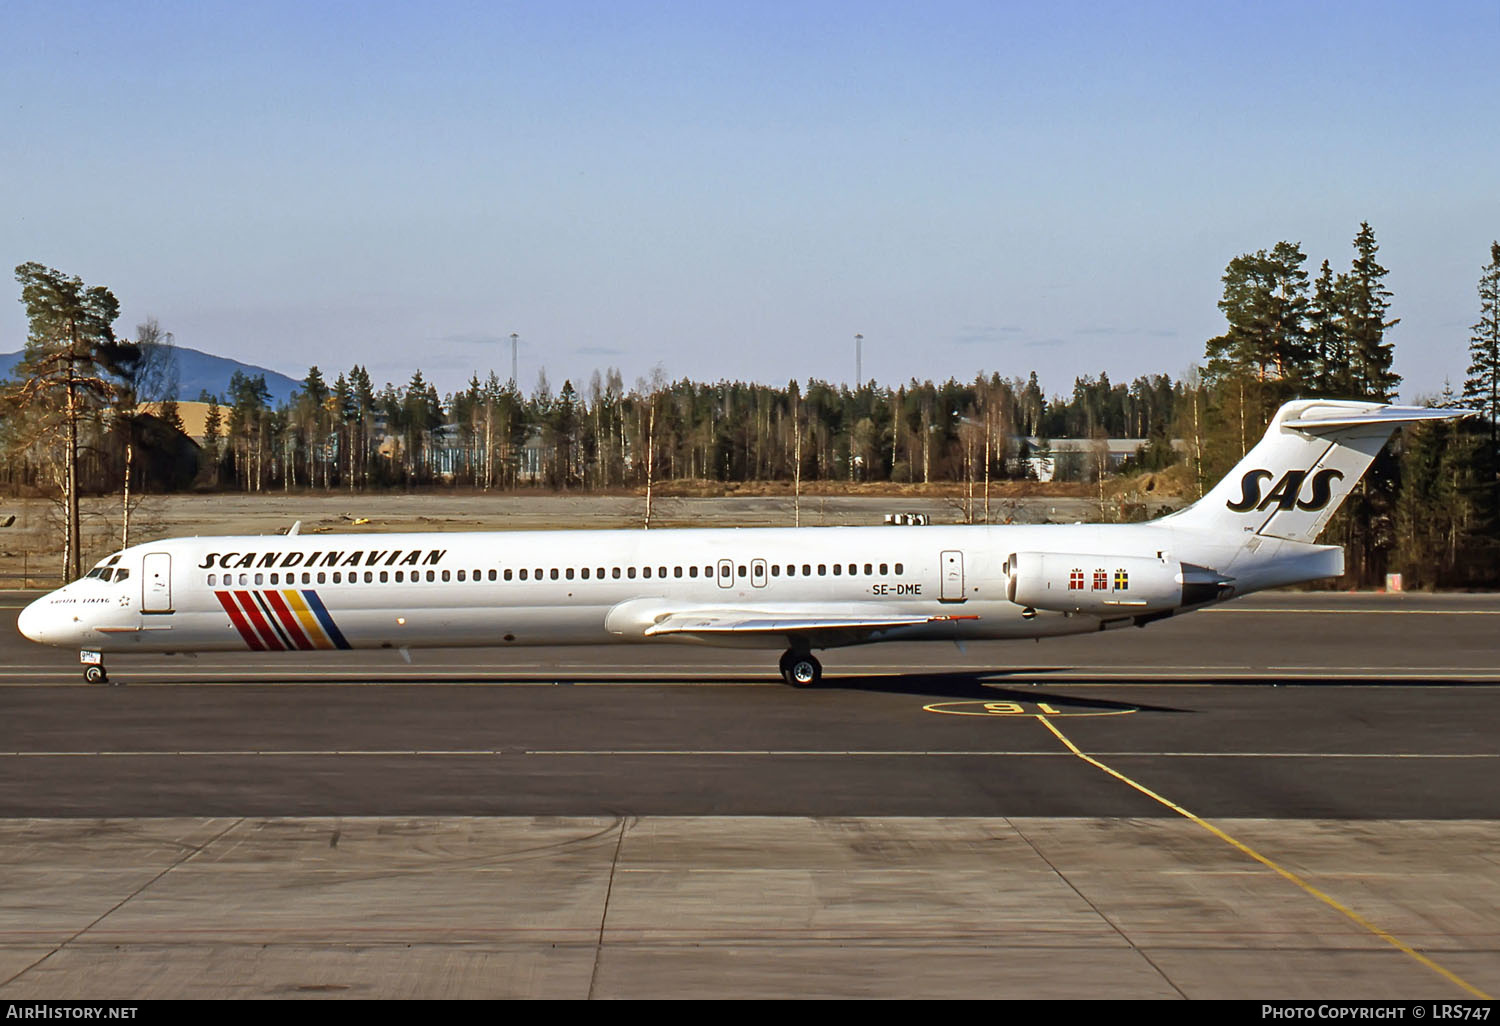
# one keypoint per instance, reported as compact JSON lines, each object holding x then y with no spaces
{"x":1383,"y":416}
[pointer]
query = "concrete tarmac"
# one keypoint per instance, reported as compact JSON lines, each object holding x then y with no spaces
{"x":1289,"y":798}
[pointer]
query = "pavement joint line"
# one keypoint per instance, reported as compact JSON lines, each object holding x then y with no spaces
{"x":238,"y":752}
{"x":725,"y":752}
{"x":1104,"y":916}
{"x":1305,"y":755}
{"x":1007,"y":753}
{"x":609,"y":889}
{"x":309,"y":753}
{"x":192,"y":851}
{"x":1271,"y":864}
{"x":775,"y":752}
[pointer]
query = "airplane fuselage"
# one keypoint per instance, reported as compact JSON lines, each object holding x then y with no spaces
{"x":305,"y":592}
{"x":798,"y":588}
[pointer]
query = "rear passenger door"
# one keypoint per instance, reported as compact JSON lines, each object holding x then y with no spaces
{"x":951,"y":585}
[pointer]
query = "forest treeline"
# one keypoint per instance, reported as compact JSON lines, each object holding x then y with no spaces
{"x":75,"y":420}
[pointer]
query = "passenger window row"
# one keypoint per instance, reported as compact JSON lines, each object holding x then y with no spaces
{"x":529,"y":574}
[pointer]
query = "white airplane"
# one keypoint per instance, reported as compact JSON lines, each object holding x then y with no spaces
{"x":798,"y":589}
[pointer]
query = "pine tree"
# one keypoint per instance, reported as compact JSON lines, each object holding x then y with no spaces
{"x":1424,"y":508}
{"x":171,"y":415}
{"x":1359,"y":367}
{"x":1328,"y":347}
{"x":1265,"y":302}
{"x":364,"y":411}
{"x":1366,"y":301}
{"x":344,"y":413}
{"x":72,"y":366}
{"x":421,"y":414}
{"x":248,"y":427}
{"x":312,"y":418}
{"x":564,"y":428}
{"x":1260,"y":360}
{"x":213,"y":422}
{"x":1482,"y":387}
{"x":1033,"y":405}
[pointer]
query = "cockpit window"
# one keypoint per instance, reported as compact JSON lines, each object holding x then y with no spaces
{"x":103,"y":569}
{"x":108,"y":573}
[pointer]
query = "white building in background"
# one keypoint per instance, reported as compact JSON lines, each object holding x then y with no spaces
{"x":1046,"y":458}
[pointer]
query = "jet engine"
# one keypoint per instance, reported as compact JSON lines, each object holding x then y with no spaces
{"x":1108,"y":586}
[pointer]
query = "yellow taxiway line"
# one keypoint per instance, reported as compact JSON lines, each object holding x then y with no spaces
{"x":1390,"y":939}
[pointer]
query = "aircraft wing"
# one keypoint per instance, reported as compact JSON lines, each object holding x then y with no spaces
{"x":762,"y":622}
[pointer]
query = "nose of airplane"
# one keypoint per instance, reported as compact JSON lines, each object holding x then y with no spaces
{"x":32,"y":622}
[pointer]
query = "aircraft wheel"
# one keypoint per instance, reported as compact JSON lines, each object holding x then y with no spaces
{"x":803,"y":671}
{"x":95,"y":675}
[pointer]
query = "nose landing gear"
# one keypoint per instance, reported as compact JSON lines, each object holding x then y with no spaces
{"x":800,"y":669}
{"x":93,"y":667}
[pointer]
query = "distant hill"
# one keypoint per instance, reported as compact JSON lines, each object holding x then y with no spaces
{"x":197,"y":371}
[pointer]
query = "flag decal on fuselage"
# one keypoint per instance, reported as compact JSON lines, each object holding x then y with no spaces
{"x":278,"y":620}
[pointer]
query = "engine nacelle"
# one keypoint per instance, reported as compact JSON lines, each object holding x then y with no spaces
{"x":1099,"y":585}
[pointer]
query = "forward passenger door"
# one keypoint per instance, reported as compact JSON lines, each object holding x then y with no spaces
{"x":156,"y":583}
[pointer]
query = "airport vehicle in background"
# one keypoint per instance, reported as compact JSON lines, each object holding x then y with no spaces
{"x":796,"y":589}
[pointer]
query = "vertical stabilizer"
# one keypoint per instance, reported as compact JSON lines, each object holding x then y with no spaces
{"x":1312,"y":455}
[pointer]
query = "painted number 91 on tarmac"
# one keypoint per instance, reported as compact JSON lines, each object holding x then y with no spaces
{"x":1007,"y":708}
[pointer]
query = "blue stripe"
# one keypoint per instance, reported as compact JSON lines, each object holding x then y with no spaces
{"x":316,"y":605}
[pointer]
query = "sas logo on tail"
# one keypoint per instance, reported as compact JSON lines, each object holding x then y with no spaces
{"x":1285,"y":494}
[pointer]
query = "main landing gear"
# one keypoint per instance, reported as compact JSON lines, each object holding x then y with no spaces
{"x":800,"y":669}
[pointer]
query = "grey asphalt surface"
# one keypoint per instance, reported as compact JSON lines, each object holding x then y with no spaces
{"x":1011,"y":820}
{"x":1286,"y":706}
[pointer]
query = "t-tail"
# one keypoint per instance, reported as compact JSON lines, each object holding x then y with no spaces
{"x":1312,"y":455}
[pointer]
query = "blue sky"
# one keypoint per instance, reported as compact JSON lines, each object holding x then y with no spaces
{"x":735,"y":190}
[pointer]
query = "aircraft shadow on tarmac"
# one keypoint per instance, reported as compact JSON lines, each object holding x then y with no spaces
{"x":985,"y":683}
{"x":981,"y":686}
